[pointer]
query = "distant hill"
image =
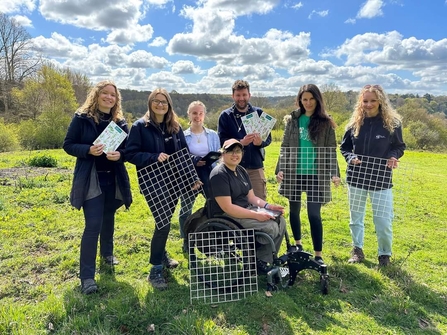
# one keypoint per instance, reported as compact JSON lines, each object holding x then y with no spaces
{"x":135,"y":102}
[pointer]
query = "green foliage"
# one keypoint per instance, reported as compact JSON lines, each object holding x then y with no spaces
{"x":8,"y":137}
{"x":47,"y":133}
{"x":42,"y":161}
{"x":27,"y":134}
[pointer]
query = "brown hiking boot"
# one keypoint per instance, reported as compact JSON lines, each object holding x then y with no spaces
{"x":357,"y":255}
{"x":384,"y":260}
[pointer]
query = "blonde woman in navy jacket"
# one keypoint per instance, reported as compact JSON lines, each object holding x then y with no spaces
{"x":372,"y":146}
{"x":100,"y":183}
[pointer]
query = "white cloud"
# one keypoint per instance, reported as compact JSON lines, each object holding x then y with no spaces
{"x":241,"y":8}
{"x":93,"y":14}
{"x":144,"y":59}
{"x":322,"y":13}
{"x":213,"y":38}
{"x":59,"y":46}
{"x":184,"y":67}
{"x":298,"y":5}
{"x":392,"y":51}
{"x":158,"y":42}
{"x":24,"y":21}
{"x":14,"y":6}
{"x":370,"y":9}
{"x":131,"y":35}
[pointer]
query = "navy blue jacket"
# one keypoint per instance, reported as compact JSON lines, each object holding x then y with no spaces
{"x":230,"y":126}
{"x":145,"y":143}
{"x":81,"y":134}
{"x":373,"y":146}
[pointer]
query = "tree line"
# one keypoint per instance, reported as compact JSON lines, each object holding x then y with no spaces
{"x":38,"y":99}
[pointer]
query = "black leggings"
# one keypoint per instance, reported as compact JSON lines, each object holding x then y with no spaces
{"x":316,"y":226}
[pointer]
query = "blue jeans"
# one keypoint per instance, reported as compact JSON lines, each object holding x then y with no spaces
{"x":382,"y":207}
{"x":99,"y":214}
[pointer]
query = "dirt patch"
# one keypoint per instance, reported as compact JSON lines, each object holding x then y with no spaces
{"x":30,"y":172}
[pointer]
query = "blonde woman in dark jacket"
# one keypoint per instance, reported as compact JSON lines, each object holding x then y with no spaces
{"x":308,"y":163}
{"x":100,"y":183}
{"x":372,"y":146}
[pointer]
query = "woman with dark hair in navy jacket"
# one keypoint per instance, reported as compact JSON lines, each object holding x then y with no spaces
{"x":153,"y":138}
{"x":100,"y":183}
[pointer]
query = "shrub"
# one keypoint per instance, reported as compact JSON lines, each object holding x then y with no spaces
{"x":8,"y":138}
{"x":42,"y":161}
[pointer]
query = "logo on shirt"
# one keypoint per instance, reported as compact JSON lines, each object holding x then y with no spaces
{"x":378,"y":137}
{"x":304,"y":134}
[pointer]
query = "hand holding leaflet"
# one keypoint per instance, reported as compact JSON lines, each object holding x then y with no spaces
{"x":253,"y":123}
{"x":111,"y":137}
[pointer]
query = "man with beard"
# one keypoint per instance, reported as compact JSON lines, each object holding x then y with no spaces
{"x":231,"y":126}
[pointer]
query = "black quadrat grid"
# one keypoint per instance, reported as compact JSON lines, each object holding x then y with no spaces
{"x":373,"y":174}
{"x":163,"y":183}
{"x":313,"y":175}
{"x":222,"y":265}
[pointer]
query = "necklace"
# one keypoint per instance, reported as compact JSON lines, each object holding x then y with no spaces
{"x":239,"y":126}
{"x":162,"y":128}
{"x":198,"y":137}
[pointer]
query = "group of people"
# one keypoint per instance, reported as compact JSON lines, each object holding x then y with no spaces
{"x":236,"y":186}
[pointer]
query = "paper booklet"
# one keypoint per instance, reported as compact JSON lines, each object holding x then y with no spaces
{"x":253,"y":123}
{"x":271,"y":212}
{"x":111,"y":137}
{"x":211,"y":157}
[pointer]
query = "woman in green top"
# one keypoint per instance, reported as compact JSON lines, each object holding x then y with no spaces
{"x":308,"y":163}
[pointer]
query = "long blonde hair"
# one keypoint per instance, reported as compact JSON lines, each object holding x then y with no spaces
{"x":170,"y":118}
{"x":391,"y":119}
{"x":90,"y":106}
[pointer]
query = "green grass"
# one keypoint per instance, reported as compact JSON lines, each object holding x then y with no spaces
{"x":39,"y":262}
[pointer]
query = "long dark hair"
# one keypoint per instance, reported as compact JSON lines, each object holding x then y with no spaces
{"x":320,"y":118}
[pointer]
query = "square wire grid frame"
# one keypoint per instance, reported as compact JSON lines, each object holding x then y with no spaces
{"x":369,"y":182}
{"x":164,"y":183}
{"x":312,"y":176}
{"x":324,"y":162}
{"x":222,"y":265}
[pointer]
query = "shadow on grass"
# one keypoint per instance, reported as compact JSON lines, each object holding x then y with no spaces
{"x":388,"y":296}
{"x":426,"y":307}
{"x":114,"y":309}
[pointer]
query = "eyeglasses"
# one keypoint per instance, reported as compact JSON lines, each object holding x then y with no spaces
{"x":234,"y":152}
{"x":373,"y":86}
{"x":157,"y":102}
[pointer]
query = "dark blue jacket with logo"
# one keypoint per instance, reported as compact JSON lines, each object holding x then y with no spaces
{"x":373,"y":146}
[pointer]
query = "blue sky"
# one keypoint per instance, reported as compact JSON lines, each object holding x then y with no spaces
{"x":203,"y":46}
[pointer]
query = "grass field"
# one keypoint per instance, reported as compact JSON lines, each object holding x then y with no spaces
{"x":39,"y":251}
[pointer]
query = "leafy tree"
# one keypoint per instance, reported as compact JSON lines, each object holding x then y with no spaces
{"x":8,"y":137}
{"x":80,"y":83}
{"x":51,"y":99}
{"x":17,"y":61}
{"x":334,"y":99}
{"x":426,"y":138}
{"x":51,"y":90}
